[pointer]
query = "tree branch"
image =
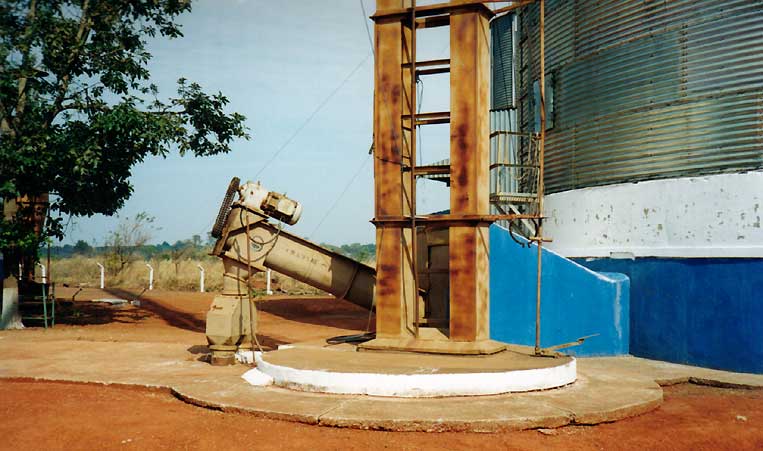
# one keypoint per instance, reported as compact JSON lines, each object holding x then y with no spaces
{"x":82,"y":33}
{"x":26,"y":46}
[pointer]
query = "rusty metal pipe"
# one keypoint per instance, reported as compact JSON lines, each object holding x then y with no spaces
{"x":541,"y":157}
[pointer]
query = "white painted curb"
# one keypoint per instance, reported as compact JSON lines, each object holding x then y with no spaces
{"x":257,"y":377}
{"x":419,"y":385}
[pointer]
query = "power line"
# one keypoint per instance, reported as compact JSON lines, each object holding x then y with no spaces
{"x":368,"y":30}
{"x":344,"y":191}
{"x":313,"y":114}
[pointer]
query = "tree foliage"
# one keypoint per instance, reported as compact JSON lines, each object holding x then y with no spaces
{"x":81,"y":247}
{"x":360,"y":252}
{"x":78,"y":111}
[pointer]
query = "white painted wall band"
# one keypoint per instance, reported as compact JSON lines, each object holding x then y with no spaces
{"x":712,"y":216}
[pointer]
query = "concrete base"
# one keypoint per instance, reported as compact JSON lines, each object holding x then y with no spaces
{"x":343,"y":370}
{"x":222,"y":355}
{"x":607,"y":389}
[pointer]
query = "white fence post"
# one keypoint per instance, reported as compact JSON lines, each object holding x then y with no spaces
{"x":44,"y":278}
{"x":201,"y":277}
{"x":103,"y":274}
{"x":268,"y":291}
{"x":150,"y":277}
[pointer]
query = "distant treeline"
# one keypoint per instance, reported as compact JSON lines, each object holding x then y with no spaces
{"x":191,"y":248}
{"x":356,"y":251}
{"x":188,"y":248}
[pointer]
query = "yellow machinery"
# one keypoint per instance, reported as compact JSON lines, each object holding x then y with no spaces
{"x":248,"y":242}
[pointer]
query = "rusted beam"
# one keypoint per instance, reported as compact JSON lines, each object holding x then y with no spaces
{"x":435,"y":169}
{"x":436,"y":9}
{"x":391,"y":151}
{"x":476,"y":218}
{"x":429,"y":63}
{"x":412,"y":180}
{"x":433,"y":71}
{"x":469,"y":160}
{"x":440,"y":117}
{"x":432,"y":121}
{"x":452,"y":219}
{"x":541,"y":159}
{"x":430,"y":115}
{"x":433,"y":22}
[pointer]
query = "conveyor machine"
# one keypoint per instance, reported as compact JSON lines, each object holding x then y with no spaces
{"x":248,"y":242}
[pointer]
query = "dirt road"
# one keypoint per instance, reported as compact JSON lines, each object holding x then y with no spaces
{"x":45,"y":415}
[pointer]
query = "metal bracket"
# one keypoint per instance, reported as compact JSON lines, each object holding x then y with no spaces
{"x":551,"y":350}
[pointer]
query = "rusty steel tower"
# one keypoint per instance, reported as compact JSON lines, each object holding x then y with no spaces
{"x":402,"y":322}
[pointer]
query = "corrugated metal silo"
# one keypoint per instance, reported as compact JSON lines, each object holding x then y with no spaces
{"x":646,"y":89}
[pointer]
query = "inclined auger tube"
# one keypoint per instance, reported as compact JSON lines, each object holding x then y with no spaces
{"x":281,"y":251}
{"x":249,"y":243}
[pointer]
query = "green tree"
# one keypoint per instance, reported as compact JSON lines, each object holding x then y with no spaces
{"x":78,"y":111}
{"x":81,"y":247}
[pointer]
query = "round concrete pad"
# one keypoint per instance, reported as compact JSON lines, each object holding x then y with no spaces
{"x":607,"y":389}
{"x":346,"y":359}
{"x":342,"y":370}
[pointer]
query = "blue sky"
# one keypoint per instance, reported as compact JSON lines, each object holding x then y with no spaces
{"x":277,"y":62}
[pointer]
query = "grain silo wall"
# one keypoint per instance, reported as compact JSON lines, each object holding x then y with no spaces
{"x":646,"y":89}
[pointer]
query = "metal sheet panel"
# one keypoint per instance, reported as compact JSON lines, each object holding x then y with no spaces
{"x":647,"y":90}
{"x":502,"y":56}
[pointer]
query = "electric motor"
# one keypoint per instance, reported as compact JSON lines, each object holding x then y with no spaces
{"x":275,"y":205}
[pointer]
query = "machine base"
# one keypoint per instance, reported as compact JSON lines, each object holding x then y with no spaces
{"x":222,"y":355}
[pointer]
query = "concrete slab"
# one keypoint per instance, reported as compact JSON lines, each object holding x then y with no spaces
{"x":666,"y":373}
{"x":474,"y":414}
{"x":607,"y":388}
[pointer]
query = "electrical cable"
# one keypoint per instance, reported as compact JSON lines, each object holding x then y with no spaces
{"x":252,"y":335}
{"x":344,"y":191}
{"x":368,"y":30}
{"x":352,"y":339}
{"x":312,"y":115}
{"x":418,"y":111}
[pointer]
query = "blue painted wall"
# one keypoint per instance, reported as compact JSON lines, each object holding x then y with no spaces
{"x":575,"y":300}
{"x":700,"y":311}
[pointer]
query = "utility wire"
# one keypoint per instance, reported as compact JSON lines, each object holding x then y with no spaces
{"x":316,"y":111}
{"x":368,"y":30}
{"x":344,"y":191}
{"x":313,"y":114}
{"x":365,"y":160}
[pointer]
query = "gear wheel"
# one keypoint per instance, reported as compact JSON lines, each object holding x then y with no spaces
{"x":222,"y":215}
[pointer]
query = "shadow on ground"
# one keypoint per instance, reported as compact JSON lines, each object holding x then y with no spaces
{"x":95,"y":313}
{"x":193,"y":322}
{"x":323,"y":311}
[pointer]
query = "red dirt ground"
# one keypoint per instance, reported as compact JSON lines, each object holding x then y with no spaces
{"x":46,"y":415}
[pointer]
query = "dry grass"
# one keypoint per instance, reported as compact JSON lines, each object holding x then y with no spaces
{"x":180,"y":275}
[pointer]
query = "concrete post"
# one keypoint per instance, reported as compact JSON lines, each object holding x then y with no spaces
{"x":44,"y":275}
{"x":150,"y":277}
{"x":103,"y":274}
{"x":201,"y":277}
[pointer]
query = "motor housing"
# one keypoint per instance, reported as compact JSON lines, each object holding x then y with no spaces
{"x":272,"y":204}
